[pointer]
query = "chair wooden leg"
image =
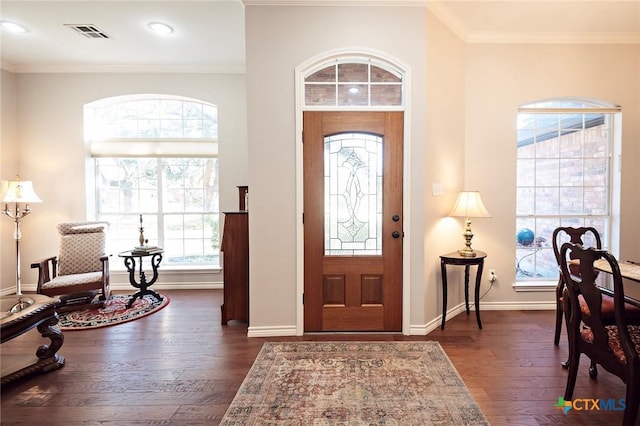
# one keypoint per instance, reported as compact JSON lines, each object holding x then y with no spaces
{"x":559,"y":312}
{"x":574,"y":363}
{"x":593,"y":370}
{"x":632,"y":402}
{"x":556,"y":338}
{"x":566,"y":312}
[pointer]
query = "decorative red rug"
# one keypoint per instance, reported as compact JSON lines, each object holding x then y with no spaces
{"x":353,"y":383}
{"x":114,"y":312}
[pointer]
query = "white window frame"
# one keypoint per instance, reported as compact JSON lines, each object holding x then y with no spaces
{"x":612,"y":234}
{"x":146,"y":147}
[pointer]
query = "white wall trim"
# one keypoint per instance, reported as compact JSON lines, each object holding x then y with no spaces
{"x":518,"y":306}
{"x":424,"y":329}
{"x":275,"y":331}
{"x":146,"y":69}
{"x":552,"y":38}
{"x":309,"y":64}
{"x":421,"y":329}
{"x":128,"y":287}
{"x":529,"y":286}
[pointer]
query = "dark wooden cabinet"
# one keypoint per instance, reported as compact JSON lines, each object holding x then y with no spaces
{"x":243,"y":198}
{"x":235,"y":249}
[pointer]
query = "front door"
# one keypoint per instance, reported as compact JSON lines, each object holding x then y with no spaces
{"x":353,"y":221}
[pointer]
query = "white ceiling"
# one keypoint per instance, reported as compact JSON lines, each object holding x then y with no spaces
{"x":209,"y":34}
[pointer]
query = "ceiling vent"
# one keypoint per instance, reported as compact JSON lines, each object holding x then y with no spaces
{"x":88,"y":31}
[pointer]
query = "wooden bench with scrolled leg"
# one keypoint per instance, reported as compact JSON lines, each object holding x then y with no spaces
{"x":41,"y":314}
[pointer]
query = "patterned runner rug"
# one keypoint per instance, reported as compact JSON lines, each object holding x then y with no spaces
{"x":353,"y":383}
{"x":114,"y":312}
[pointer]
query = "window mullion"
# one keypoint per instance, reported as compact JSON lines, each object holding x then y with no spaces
{"x":161,"y":195}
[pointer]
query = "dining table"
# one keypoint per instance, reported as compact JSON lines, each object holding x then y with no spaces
{"x":628,"y":269}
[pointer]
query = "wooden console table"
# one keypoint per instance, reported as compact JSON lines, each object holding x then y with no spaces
{"x":235,"y":248}
{"x":40,"y":314}
{"x":456,"y":259}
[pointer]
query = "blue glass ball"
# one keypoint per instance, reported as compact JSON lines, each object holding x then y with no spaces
{"x":525,"y":237}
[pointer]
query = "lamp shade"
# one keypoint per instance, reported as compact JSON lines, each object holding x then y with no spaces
{"x":18,"y":191}
{"x":469,"y":204}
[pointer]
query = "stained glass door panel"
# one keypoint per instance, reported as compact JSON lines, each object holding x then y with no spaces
{"x":353,"y":194}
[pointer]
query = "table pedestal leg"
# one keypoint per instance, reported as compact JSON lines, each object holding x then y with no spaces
{"x":466,"y":287}
{"x":477,"y":298}
{"x":142,"y":285}
{"x":443,"y":270}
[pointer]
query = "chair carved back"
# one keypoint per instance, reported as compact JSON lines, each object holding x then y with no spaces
{"x":580,"y":278}
{"x":586,"y":236}
{"x":81,"y":245}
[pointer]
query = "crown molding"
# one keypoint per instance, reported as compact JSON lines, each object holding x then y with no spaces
{"x":552,"y":38}
{"x":334,"y":3}
{"x":449,"y":19}
{"x":132,"y":69}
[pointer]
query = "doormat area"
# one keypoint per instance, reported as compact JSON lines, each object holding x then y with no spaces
{"x":368,"y":383}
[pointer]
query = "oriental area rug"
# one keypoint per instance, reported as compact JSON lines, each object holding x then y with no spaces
{"x":353,"y":383}
{"x":114,"y":312}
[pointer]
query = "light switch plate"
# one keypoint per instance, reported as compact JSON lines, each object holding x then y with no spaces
{"x":438,"y":189}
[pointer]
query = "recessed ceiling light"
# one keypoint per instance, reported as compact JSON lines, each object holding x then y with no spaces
{"x":13,"y":27}
{"x":160,"y":28}
{"x":354,"y":90}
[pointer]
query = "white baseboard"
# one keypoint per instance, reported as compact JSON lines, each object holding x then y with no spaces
{"x":31,"y":288}
{"x":290,"y":330}
{"x":275,"y":331}
{"x":423,"y":330}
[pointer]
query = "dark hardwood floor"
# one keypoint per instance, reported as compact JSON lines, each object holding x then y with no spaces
{"x":181,"y":367}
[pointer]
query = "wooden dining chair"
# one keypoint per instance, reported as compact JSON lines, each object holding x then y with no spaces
{"x":585,"y":236}
{"x":614,"y":346}
{"x":589,"y":237}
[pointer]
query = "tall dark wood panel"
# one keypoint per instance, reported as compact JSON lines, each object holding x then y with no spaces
{"x":235,"y":248}
{"x":243,"y":198}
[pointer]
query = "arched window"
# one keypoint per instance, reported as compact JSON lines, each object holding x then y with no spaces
{"x":155,"y":157}
{"x":564,"y":177}
{"x":353,"y":82}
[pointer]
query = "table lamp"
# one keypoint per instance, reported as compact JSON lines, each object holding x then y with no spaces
{"x":468,"y":205}
{"x":18,"y":192}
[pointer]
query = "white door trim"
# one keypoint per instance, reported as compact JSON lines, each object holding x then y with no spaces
{"x":301,"y":70}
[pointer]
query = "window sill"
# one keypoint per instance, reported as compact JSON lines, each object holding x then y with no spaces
{"x":538,"y":286}
{"x":189,"y":270}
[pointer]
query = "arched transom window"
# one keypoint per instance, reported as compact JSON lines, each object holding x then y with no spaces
{"x":353,"y":83}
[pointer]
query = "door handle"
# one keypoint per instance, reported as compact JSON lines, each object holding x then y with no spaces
{"x":395,"y":234}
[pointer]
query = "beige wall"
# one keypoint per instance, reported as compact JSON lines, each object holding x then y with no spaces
{"x":278,"y":40}
{"x":9,"y":166}
{"x":464,"y":99}
{"x":502,"y":77}
{"x":463,"y":119}
{"x":443,"y":162}
{"x":51,"y":150}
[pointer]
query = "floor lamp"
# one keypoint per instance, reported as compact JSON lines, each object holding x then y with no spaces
{"x":18,"y":192}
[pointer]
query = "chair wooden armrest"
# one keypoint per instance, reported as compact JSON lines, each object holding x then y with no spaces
{"x":106,"y":291}
{"x":47,"y":269}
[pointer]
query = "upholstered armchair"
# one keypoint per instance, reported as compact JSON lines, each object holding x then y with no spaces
{"x":79,"y":275}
